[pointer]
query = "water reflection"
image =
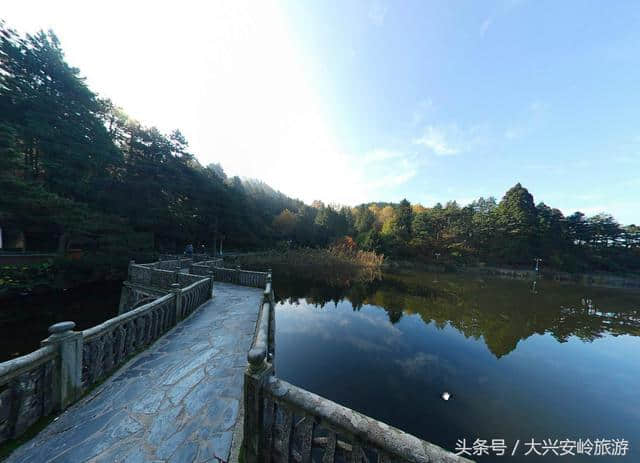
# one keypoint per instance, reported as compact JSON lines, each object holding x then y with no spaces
{"x":518,"y":363}
{"x":502,"y":312}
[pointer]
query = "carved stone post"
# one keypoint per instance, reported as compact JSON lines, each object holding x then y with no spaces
{"x":67,"y":380}
{"x":177,"y":292}
{"x":255,"y":379}
{"x":210,"y":273}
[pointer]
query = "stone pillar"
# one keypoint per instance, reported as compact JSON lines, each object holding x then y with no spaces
{"x":177,"y":292}
{"x":255,"y":378}
{"x":67,"y":380}
{"x":210,"y":273}
{"x":131,"y":263}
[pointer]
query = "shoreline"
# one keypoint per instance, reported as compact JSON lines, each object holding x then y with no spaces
{"x":605,"y":280}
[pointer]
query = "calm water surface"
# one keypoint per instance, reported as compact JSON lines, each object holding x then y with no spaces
{"x":25,"y":320}
{"x":550,"y":362}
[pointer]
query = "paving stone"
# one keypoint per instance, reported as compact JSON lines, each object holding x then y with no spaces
{"x":176,"y":401}
{"x":164,"y":425}
{"x":169,"y":446}
{"x":177,"y":392}
{"x":222,"y":413}
{"x":148,"y":404}
{"x":185,"y":454}
{"x":215,"y":446}
{"x":199,"y":359}
{"x":124,"y":427}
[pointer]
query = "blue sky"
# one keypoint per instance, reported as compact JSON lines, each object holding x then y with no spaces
{"x":371,"y":100}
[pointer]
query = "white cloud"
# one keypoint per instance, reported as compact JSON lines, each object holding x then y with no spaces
{"x":377,"y":13}
{"x":451,"y":140}
{"x":435,"y":139}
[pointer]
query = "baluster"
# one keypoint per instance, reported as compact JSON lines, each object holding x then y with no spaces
{"x":356,"y":452}
{"x":108,"y":352}
{"x":268,"y":417}
{"x":140,"y":331}
{"x":282,"y":442}
{"x":164,"y":324}
{"x":86,"y":363}
{"x":306,"y":432}
{"x":119,"y":345}
{"x":97,"y":359}
{"x":158,"y":315}
{"x":330,"y":448}
{"x":147,"y":328}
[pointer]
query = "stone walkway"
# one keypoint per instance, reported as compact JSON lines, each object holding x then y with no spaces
{"x":178,"y":401}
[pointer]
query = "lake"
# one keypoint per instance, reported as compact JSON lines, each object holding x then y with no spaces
{"x":25,"y":320}
{"x":547,"y":362}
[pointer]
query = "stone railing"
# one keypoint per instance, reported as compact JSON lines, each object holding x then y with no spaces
{"x":108,"y":345}
{"x":298,"y":423}
{"x":284,"y":423}
{"x":204,"y":267}
{"x":70,"y":362}
{"x":195,"y":257}
{"x":27,"y":391}
{"x":240,"y":277}
{"x":193,"y":296}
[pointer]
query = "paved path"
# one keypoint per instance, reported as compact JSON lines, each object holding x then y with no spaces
{"x":178,"y":401}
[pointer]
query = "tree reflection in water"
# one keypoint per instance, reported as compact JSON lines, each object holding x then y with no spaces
{"x":501,"y":311}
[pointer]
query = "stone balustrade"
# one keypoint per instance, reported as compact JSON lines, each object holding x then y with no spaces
{"x":240,"y":277}
{"x":298,"y":423}
{"x":26,"y":391}
{"x":69,"y":362}
{"x":285,"y":423}
{"x":108,"y":345}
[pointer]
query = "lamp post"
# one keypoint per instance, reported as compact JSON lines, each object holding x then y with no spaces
{"x":537,"y":261}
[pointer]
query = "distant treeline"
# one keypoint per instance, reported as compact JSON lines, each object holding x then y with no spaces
{"x":77,"y":172}
{"x":511,"y":232}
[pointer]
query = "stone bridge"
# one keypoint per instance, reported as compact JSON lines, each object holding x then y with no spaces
{"x":185,"y":373}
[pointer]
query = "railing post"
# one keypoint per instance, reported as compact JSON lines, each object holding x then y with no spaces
{"x":177,"y":292}
{"x":255,"y":379}
{"x":210,"y":273}
{"x":67,"y":380}
{"x":131,"y":264}
{"x":237,"y":275}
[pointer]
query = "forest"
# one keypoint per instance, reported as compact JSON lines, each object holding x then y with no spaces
{"x":77,"y":173}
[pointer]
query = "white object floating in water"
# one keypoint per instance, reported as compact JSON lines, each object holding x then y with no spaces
{"x":445,"y":396}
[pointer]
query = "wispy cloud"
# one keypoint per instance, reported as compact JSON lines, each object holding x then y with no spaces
{"x":436,"y":140}
{"x":529,"y":121}
{"x":450,"y":140}
{"x":484,"y":27}
{"x":391,"y":168}
{"x":377,"y":13}
{"x":424,"y":106}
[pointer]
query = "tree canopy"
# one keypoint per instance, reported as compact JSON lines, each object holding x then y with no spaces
{"x":75,"y":169}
